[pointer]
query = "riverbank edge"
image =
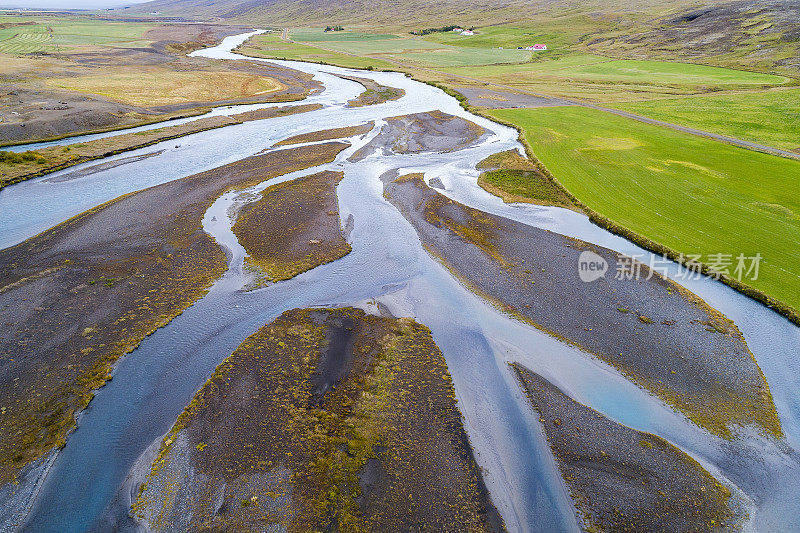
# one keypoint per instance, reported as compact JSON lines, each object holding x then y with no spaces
{"x":711,"y":424}
{"x":202,"y":109}
{"x":290,"y":110}
{"x":779,"y":306}
{"x":598,"y":219}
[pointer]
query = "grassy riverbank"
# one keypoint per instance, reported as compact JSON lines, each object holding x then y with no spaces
{"x":33,"y":163}
{"x":694,"y":195}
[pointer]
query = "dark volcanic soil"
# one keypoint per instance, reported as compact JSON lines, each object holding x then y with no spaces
{"x":323,"y":420}
{"x":78,"y":296}
{"x":422,"y":132}
{"x":661,"y":336}
{"x":622,"y":479}
{"x":294,"y":227}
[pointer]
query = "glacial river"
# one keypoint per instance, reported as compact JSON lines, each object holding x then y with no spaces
{"x":90,"y":481}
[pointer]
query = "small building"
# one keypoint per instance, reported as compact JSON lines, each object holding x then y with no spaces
{"x":539,"y":47}
{"x":458,"y":30}
{"x":467,"y":32}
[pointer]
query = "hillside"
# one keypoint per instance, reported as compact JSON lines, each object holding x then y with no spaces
{"x":397,"y":13}
{"x":762,"y":35}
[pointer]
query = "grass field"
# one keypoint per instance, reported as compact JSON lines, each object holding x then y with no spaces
{"x":163,"y":87}
{"x":694,"y":195}
{"x":602,"y":79}
{"x":414,"y":50}
{"x":317,"y":34}
{"x":270,"y":45}
{"x":58,"y":33}
{"x":769,"y":117}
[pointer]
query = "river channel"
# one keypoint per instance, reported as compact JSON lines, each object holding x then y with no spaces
{"x":89,"y":482}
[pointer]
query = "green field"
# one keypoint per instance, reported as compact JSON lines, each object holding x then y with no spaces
{"x":461,"y":57}
{"x":377,"y":46}
{"x":596,"y":69}
{"x":53,"y":34}
{"x":317,"y":34}
{"x":768,"y":117}
{"x":27,"y":42}
{"x":692,"y":194}
{"x":270,"y":45}
{"x":414,"y":50}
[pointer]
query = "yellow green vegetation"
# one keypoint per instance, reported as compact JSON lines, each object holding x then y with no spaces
{"x":40,"y":33}
{"x":516,"y":179}
{"x":20,"y":167}
{"x":161,"y":87}
{"x":271,"y":45}
{"x":77,"y":311}
{"x":325,"y":135}
{"x":294,"y":227}
{"x":324,"y":419}
{"x":768,"y":117}
{"x":704,"y":192}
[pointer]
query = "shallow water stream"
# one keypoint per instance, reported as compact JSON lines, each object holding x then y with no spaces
{"x":86,"y":488}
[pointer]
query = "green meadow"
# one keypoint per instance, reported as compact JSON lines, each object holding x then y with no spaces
{"x":318,"y":34}
{"x":270,"y":45}
{"x":593,"y":69}
{"x":413,"y":50}
{"x":695,"y":195}
{"x":768,"y":117}
{"x":52,"y":34}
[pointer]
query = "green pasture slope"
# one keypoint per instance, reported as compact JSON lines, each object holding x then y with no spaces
{"x":694,"y":195}
{"x":768,"y":117}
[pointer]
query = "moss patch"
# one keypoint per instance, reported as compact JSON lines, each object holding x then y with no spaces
{"x":374,"y":93}
{"x":294,"y":227}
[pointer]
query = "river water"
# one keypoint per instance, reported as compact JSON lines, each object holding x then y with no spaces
{"x":86,"y":486}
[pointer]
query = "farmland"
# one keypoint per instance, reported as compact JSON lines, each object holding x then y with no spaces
{"x":769,"y":117}
{"x":270,"y":45}
{"x":600,"y":79}
{"x":694,"y":195}
{"x":55,"y":34}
